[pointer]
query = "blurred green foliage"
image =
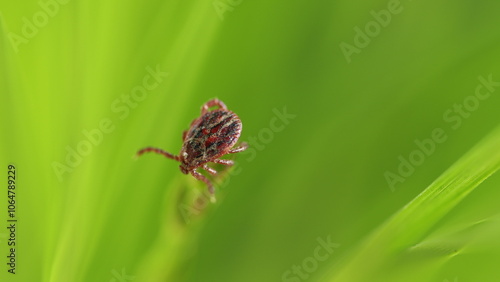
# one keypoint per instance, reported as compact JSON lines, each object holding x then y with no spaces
{"x":73,"y":114}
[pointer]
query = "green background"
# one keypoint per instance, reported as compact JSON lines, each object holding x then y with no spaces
{"x":320,"y":175}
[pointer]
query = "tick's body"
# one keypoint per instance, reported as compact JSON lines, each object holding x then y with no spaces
{"x":209,"y":137}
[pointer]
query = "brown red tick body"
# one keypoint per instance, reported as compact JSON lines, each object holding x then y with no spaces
{"x":209,"y":137}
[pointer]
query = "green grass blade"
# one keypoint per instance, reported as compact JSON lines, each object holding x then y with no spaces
{"x":394,"y":239}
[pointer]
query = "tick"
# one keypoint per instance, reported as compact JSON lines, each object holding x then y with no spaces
{"x":209,"y":137}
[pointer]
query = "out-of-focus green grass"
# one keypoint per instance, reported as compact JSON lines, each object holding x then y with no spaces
{"x":401,"y":242}
{"x":321,"y":174}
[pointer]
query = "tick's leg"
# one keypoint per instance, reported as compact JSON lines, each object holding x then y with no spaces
{"x":184,"y":135}
{"x":158,"y":151}
{"x":209,"y":169}
{"x":241,"y":148}
{"x":224,"y":162}
{"x":212,"y":103}
{"x":199,"y":176}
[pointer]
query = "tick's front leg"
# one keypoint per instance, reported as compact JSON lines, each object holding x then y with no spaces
{"x":157,"y":151}
{"x":200,"y":176}
{"x":212,"y":103}
{"x":209,"y":169}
